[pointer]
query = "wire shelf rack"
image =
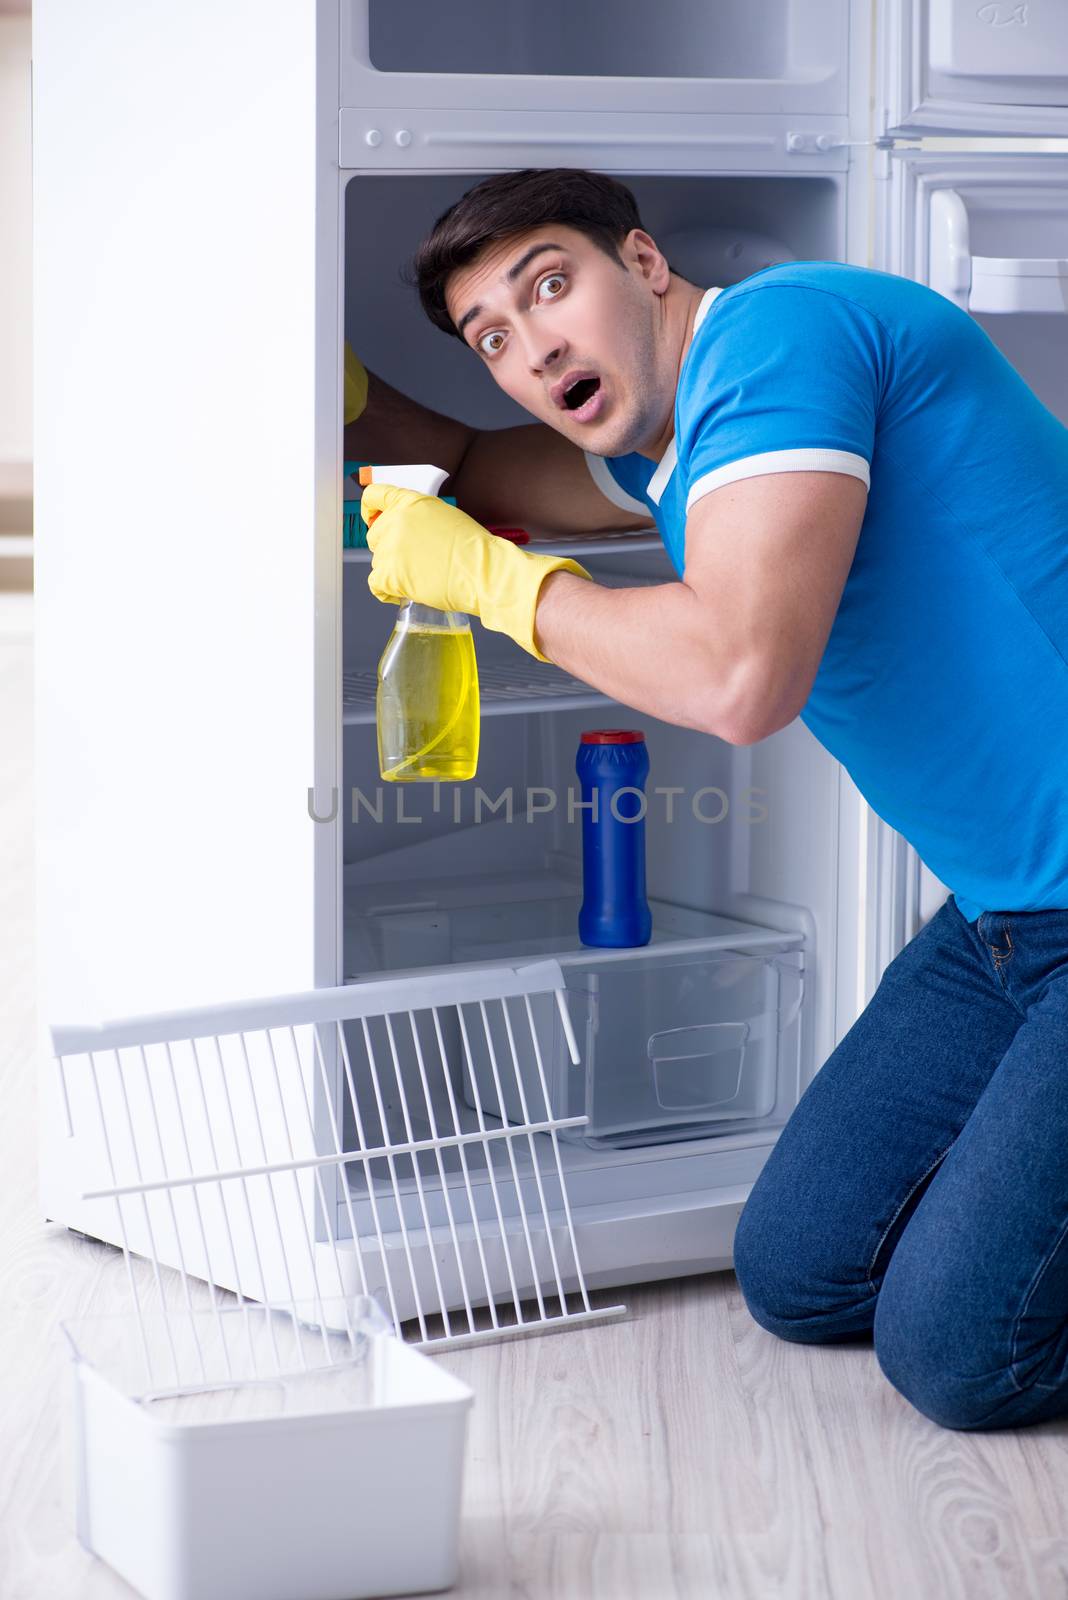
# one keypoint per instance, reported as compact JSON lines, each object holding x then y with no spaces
{"x":580,"y":546}
{"x":222,"y":1145}
{"x":503,"y":688}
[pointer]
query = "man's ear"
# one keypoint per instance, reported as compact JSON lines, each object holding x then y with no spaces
{"x":641,"y":249}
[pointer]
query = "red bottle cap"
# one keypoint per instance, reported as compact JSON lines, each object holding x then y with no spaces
{"x":514,"y":535}
{"x":613,"y":736}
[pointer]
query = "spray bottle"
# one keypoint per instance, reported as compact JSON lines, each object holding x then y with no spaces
{"x":427,"y":704}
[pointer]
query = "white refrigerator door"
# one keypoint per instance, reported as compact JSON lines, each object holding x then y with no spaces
{"x":973,"y":67}
{"x":989,"y":231}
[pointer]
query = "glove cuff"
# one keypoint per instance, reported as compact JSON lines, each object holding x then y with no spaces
{"x":510,"y":606}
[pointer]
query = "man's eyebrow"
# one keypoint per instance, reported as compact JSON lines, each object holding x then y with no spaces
{"x":512,"y":274}
{"x":527,"y":257}
{"x":466,"y":318}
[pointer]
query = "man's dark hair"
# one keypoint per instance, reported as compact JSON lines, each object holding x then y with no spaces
{"x":511,"y":203}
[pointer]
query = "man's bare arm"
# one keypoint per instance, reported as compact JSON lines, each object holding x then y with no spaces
{"x":393,"y":428}
{"x":733,"y":649}
{"x":529,"y":476}
{"x":533,"y":476}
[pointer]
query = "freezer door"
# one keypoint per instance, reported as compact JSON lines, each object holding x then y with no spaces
{"x":617,"y":55}
{"x":307,"y":1148}
{"x":991,"y":233}
{"x":973,"y":67}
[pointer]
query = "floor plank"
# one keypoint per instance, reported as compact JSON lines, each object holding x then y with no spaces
{"x":679,"y":1455}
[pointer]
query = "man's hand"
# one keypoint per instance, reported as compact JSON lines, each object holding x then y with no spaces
{"x":427,"y":551}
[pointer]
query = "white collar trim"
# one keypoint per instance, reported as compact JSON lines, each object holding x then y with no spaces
{"x":662,"y":476}
{"x":669,"y":460}
{"x":705,"y":306}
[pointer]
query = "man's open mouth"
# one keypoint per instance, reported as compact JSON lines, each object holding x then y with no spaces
{"x":574,"y":389}
{"x":580,"y":392}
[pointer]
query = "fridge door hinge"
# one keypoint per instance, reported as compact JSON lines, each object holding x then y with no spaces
{"x":814,"y":144}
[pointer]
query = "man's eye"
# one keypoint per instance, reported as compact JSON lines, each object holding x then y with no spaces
{"x":490,"y":343}
{"x":550,"y":287}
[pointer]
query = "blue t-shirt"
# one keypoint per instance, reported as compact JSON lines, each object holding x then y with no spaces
{"x":943,"y":689}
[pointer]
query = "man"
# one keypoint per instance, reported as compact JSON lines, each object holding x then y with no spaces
{"x":867,"y":510}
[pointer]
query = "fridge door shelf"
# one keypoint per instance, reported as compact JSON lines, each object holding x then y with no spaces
{"x":989,"y":283}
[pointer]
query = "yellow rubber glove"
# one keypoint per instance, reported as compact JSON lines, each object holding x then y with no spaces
{"x":427,"y":551}
{"x":355,"y":385}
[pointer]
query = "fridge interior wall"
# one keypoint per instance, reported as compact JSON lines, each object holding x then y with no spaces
{"x":753,"y":833}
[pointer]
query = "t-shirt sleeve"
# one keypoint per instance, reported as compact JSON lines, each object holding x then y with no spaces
{"x":788,"y":381}
{"x":619,"y":480}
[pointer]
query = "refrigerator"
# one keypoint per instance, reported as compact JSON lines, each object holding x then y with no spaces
{"x":222,"y":196}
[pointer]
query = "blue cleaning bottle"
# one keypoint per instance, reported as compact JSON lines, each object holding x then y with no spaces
{"x":612,"y":765}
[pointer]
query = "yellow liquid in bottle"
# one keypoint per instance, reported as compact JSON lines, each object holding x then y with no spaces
{"x":428,"y":708}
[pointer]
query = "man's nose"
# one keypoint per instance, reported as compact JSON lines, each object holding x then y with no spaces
{"x":543,"y":355}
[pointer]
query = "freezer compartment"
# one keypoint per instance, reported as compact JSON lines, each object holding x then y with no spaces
{"x":693,"y":1035}
{"x":732,"y":56}
{"x":676,"y":39}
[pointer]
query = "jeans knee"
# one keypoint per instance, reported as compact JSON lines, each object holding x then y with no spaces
{"x":757,"y":1278}
{"x":914,"y":1346}
{"x":787,"y":1297}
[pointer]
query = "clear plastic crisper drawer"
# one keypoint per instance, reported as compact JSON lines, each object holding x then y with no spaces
{"x":675,"y":1045}
{"x":672,"y":1046}
{"x":680,"y":1039}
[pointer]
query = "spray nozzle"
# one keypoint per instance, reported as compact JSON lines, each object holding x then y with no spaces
{"x":421,"y":477}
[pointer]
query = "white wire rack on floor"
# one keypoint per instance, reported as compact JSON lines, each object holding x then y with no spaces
{"x":302,"y":1149}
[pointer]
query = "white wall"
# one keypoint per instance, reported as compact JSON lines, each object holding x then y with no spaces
{"x":15,"y":217}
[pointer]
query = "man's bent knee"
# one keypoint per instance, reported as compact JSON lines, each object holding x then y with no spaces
{"x":917,"y":1339}
{"x":790,"y":1301}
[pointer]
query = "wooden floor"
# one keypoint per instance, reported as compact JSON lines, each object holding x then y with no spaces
{"x":683,"y":1455}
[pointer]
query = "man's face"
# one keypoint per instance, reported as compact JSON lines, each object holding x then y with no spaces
{"x":571,"y":334}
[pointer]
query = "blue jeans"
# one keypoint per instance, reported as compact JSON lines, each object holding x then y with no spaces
{"x":919,"y":1192}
